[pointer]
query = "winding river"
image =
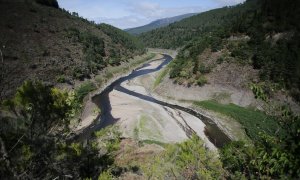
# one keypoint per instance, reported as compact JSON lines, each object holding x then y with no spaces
{"x":212,"y":131}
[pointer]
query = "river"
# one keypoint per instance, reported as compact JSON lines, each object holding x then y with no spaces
{"x":215,"y":135}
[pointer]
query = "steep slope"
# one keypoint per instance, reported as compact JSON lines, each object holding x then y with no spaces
{"x":158,"y":24}
{"x":261,"y":34}
{"x":178,"y":34}
{"x":41,"y":41}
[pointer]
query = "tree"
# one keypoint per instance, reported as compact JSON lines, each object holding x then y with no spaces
{"x":272,"y":157}
{"x":40,"y":107}
{"x":52,"y":3}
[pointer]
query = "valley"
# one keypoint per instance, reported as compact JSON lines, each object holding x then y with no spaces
{"x":208,"y":95}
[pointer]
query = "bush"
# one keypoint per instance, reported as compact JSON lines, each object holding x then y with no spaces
{"x":61,"y":79}
{"x":84,"y":89}
{"x":79,"y":73}
{"x":99,"y":80}
{"x":201,"y":81}
{"x":203,"y":69}
{"x":114,"y":61}
{"x":220,"y":60}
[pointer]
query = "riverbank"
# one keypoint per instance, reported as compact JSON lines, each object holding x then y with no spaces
{"x":128,"y":105}
{"x":172,"y":93}
{"x":146,"y":120}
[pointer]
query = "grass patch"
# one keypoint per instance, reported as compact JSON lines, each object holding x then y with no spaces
{"x":161,"y":76}
{"x":148,"y":141}
{"x":148,"y":128}
{"x":253,"y":121}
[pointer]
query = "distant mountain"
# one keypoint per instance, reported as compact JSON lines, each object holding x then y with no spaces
{"x":157,"y":24}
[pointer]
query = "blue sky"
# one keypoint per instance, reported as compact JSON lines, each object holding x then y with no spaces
{"x":132,"y":13}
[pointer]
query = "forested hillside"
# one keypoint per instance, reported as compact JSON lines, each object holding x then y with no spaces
{"x":41,"y":41}
{"x":42,"y":46}
{"x":263,"y":34}
{"x":253,"y":46}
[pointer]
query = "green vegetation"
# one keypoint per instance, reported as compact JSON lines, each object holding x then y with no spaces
{"x":253,"y":121}
{"x":187,"y":66}
{"x":201,"y":81}
{"x":62,"y":43}
{"x":113,"y":71}
{"x":263,"y":34}
{"x":161,"y":76}
{"x":61,"y":79}
{"x":121,"y":37}
{"x":94,"y":49}
{"x":106,"y":176}
{"x":154,"y":142}
{"x":273,"y":157}
{"x":187,"y":160}
{"x":84,"y":89}
{"x":148,"y":128}
{"x":34,"y":138}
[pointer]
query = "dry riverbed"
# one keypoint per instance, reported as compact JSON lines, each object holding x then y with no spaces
{"x":172,"y":93}
{"x":143,"y":120}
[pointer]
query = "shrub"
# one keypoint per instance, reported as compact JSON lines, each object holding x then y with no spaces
{"x":84,"y":89}
{"x":99,"y":80}
{"x":203,"y":69}
{"x":220,"y":60}
{"x":114,"y":61}
{"x":61,"y":79}
{"x":79,"y":73}
{"x":201,"y":81}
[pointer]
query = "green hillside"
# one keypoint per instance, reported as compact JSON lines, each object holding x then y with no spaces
{"x":41,"y":41}
{"x":69,"y":111}
{"x":264,"y":34}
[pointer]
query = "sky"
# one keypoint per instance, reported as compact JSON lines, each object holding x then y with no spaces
{"x":133,"y":13}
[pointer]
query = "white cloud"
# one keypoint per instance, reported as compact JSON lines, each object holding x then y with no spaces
{"x":123,"y":22}
{"x":155,"y":11}
{"x":133,"y":13}
{"x":148,"y":10}
{"x":145,"y":12}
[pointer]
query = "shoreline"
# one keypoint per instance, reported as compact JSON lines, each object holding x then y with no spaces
{"x":88,"y":113}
